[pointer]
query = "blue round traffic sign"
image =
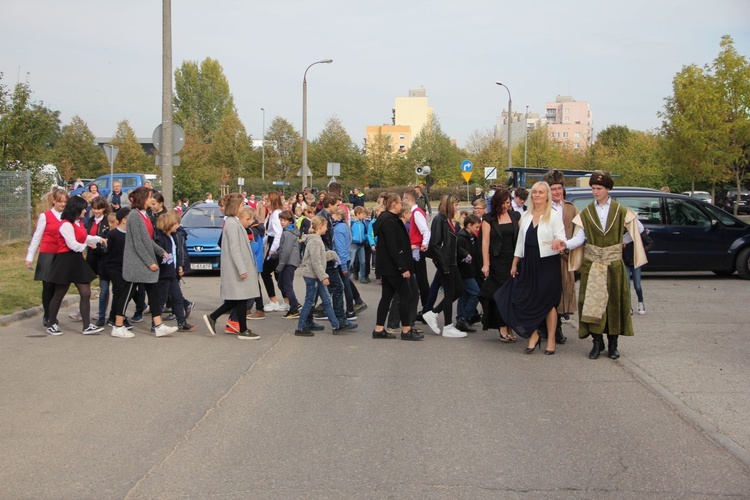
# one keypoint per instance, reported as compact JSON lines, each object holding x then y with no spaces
{"x":466,"y":166}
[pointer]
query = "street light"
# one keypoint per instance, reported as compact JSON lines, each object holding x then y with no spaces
{"x":304,"y":121}
{"x":510,"y":113}
{"x":526,"y":137}
{"x":263,"y":161}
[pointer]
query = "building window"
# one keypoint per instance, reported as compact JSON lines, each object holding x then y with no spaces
{"x":567,"y":119}
{"x":565,"y":135}
{"x":577,"y":145}
{"x":578,"y":135}
{"x":556,"y":135}
{"x":402,"y":136}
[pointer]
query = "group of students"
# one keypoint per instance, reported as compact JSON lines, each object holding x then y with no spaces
{"x":517,"y":259}
{"x":137,"y":250}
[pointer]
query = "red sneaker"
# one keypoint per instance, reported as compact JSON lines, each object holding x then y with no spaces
{"x":232,"y":327}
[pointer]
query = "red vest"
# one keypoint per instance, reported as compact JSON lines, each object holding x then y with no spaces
{"x":415,"y":237}
{"x":51,"y":237}
{"x":149,"y":225}
{"x":80,"y":233}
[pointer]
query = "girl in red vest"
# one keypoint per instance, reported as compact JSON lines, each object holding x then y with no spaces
{"x":69,"y":265}
{"x":46,"y":240}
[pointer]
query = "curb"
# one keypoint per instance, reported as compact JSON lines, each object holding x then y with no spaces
{"x":34,"y":311}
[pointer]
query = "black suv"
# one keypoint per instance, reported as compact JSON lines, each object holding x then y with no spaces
{"x":688,"y":234}
{"x":727,"y":197}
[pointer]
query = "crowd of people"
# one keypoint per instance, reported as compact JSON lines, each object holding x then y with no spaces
{"x":508,"y":264}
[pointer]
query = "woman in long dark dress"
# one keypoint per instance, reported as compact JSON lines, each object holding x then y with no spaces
{"x":499,"y":235}
{"x":529,"y":299}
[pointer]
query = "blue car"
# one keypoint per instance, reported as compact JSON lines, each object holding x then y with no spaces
{"x":203,"y":223}
{"x":688,"y":234}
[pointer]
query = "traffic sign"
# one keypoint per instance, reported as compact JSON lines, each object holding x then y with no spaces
{"x":178,"y":138}
{"x":490,"y":173}
{"x":467,"y":166}
{"x":467,"y":176}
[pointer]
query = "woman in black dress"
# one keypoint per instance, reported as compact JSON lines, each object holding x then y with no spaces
{"x":499,"y":235}
{"x":529,"y":299}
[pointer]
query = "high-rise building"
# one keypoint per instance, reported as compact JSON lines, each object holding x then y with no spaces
{"x":410,"y":113}
{"x":399,"y":136}
{"x":570,"y":122}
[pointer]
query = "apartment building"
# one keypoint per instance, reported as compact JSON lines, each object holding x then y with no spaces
{"x":570,"y":122}
{"x":410,"y":113}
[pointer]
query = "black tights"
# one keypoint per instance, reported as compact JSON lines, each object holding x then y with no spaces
{"x":452,"y":290}
{"x":84,"y":290}
{"x":48,"y":291}
{"x":240,"y":308}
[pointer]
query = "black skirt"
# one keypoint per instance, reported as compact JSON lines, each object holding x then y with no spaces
{"x":43,"y":266}
{"x":70,"y":267}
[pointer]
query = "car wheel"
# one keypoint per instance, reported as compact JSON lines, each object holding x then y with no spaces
{"x":743,"y":263}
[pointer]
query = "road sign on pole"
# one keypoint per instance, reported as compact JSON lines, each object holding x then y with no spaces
{"x":111,"y":152}
{"x":467,"y":166}
{"x":490,"y":173}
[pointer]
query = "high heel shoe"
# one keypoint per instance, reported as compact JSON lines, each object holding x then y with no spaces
{"x":549,"y":353}
{"x":530,"y":350}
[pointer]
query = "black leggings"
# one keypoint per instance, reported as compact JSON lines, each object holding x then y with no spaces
{"x":240,"y":309}
{"x":452,"y":290}
{"x":84,"y":290}
{"x":391,"y":286}
{"x":48,"y":291}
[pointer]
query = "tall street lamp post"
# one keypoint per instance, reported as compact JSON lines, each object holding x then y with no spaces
{"x":510,"y":118}
{"x":526,"y":136}
{"x":263,"y":160}
{"x":304,"y":121}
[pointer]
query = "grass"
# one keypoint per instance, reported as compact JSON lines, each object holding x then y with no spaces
{"x":18,"y":290}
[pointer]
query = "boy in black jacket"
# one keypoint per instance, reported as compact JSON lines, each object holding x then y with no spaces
{"x":468,"y":258}
{"x":170,"y":271}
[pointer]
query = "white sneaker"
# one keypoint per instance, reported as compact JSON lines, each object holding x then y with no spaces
{"x":451,"y":332}
{"x":75,"y":316}
{"x":430,"y":318}
{"x":641,"y":308}
{"x":122,"y":332}
{"x":162,"y":330}
{"x":54,"y":330}
{"x":92,"y":329}
{"x":283,"y":307}
{"x":272,"y":307}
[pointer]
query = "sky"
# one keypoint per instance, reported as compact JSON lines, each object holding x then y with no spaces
{"x":102,"y":60}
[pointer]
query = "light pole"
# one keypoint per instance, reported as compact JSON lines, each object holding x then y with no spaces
{"x":263,"y":160}
{"x":304,"y":120}
{"x":526,"y":137}
{"x":510,"y":117}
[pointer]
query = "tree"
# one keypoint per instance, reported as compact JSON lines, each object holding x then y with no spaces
{"x":334,"y":145}
{"x":202,"y":98}
{"x":286,"y":153}
{"x":636,"y":156}
{"x":231,"y":148}
{"x":195,"y":176}
{"x":75,"y":153}
{"x":131,"y":157}
{"x":28,"y":129}
{"x":485,"y":150}
{"x":433,"y":147}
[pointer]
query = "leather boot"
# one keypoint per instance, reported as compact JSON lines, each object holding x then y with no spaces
{"x":612,"y":346}
{"x":598,"y":345}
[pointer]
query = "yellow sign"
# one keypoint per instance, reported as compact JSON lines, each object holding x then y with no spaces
{"x":466,"y":175}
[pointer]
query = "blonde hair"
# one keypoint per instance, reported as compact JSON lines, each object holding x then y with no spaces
{"x":339,"y":211}
{"x":250,"y":211}
{"x":360,"y":210}
{"x":316,"y":223}
{"x":547,"y":210}
{"x":166,"y":220}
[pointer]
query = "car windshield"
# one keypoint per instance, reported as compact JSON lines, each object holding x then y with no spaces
{"x":208,"y":216}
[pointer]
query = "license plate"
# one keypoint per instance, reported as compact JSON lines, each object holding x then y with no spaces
{"x":207,"y":267}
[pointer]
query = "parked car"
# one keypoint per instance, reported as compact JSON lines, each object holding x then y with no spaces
{"x":128,"y":182}
{"x":727,"y":197}
{"x":701,"y":195}
{"x":203,"y":223}
{"x":688,"y":234}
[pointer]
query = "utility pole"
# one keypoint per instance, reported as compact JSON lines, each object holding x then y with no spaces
{"x":167,"y":183}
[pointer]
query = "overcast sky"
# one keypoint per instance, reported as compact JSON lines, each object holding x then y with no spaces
{"x":101,"y":60}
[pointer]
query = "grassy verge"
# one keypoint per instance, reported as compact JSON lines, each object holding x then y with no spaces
{"x":18,"y":290}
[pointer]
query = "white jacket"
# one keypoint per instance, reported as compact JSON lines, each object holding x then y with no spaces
{"x":547,"y":232}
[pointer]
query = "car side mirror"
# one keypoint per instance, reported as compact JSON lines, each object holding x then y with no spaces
{"x":714,"y":223}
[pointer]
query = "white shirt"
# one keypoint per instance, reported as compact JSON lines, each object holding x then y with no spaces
{"x":274,"y":229}
{"x":69,"y":235}
{"x":602,"y":211}
{"x":517,"y":208}
{"x":558,"y":208}
{"x":36,"y":240}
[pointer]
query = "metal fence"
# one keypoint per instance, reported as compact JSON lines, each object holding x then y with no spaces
{"x":15,"y":206}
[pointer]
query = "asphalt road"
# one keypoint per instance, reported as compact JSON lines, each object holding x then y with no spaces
{"x":195,"y":416}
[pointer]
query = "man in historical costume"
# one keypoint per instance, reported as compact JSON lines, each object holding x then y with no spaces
{"x":604,"y":295}
{"x":567,"y":212}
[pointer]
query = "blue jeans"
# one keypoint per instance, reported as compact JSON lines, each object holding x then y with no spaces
{"x":103,"y":298}
{"x":286,"y":282}
{"x":634,"y":274}
{"x":468,"y":301}
{"x":313,"y":289}
{"x":358,"y":254}
{"x":336,"y":289}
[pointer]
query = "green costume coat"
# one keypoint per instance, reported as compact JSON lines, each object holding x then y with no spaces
{"x":616,"y":319}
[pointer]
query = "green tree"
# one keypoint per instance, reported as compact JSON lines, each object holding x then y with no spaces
{"x":131,"y":157}
{"x":485,"y":150}
{"x":543,"y":152}
{"x":202,"y":98}
{"x":285,"y":156}
{"x":28,"y":129}
{"x":75,"y":153}
{"x":636,"y":156}
{"x":334,"y":145}
{"x":195,"y":176}
{"x":433,"y":147}
{"x":231,"y":149}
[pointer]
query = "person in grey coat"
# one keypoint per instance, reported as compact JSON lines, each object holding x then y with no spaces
{"x":239,"y":272}
{"x":139,"y":263}
{"x":289,"y":261}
